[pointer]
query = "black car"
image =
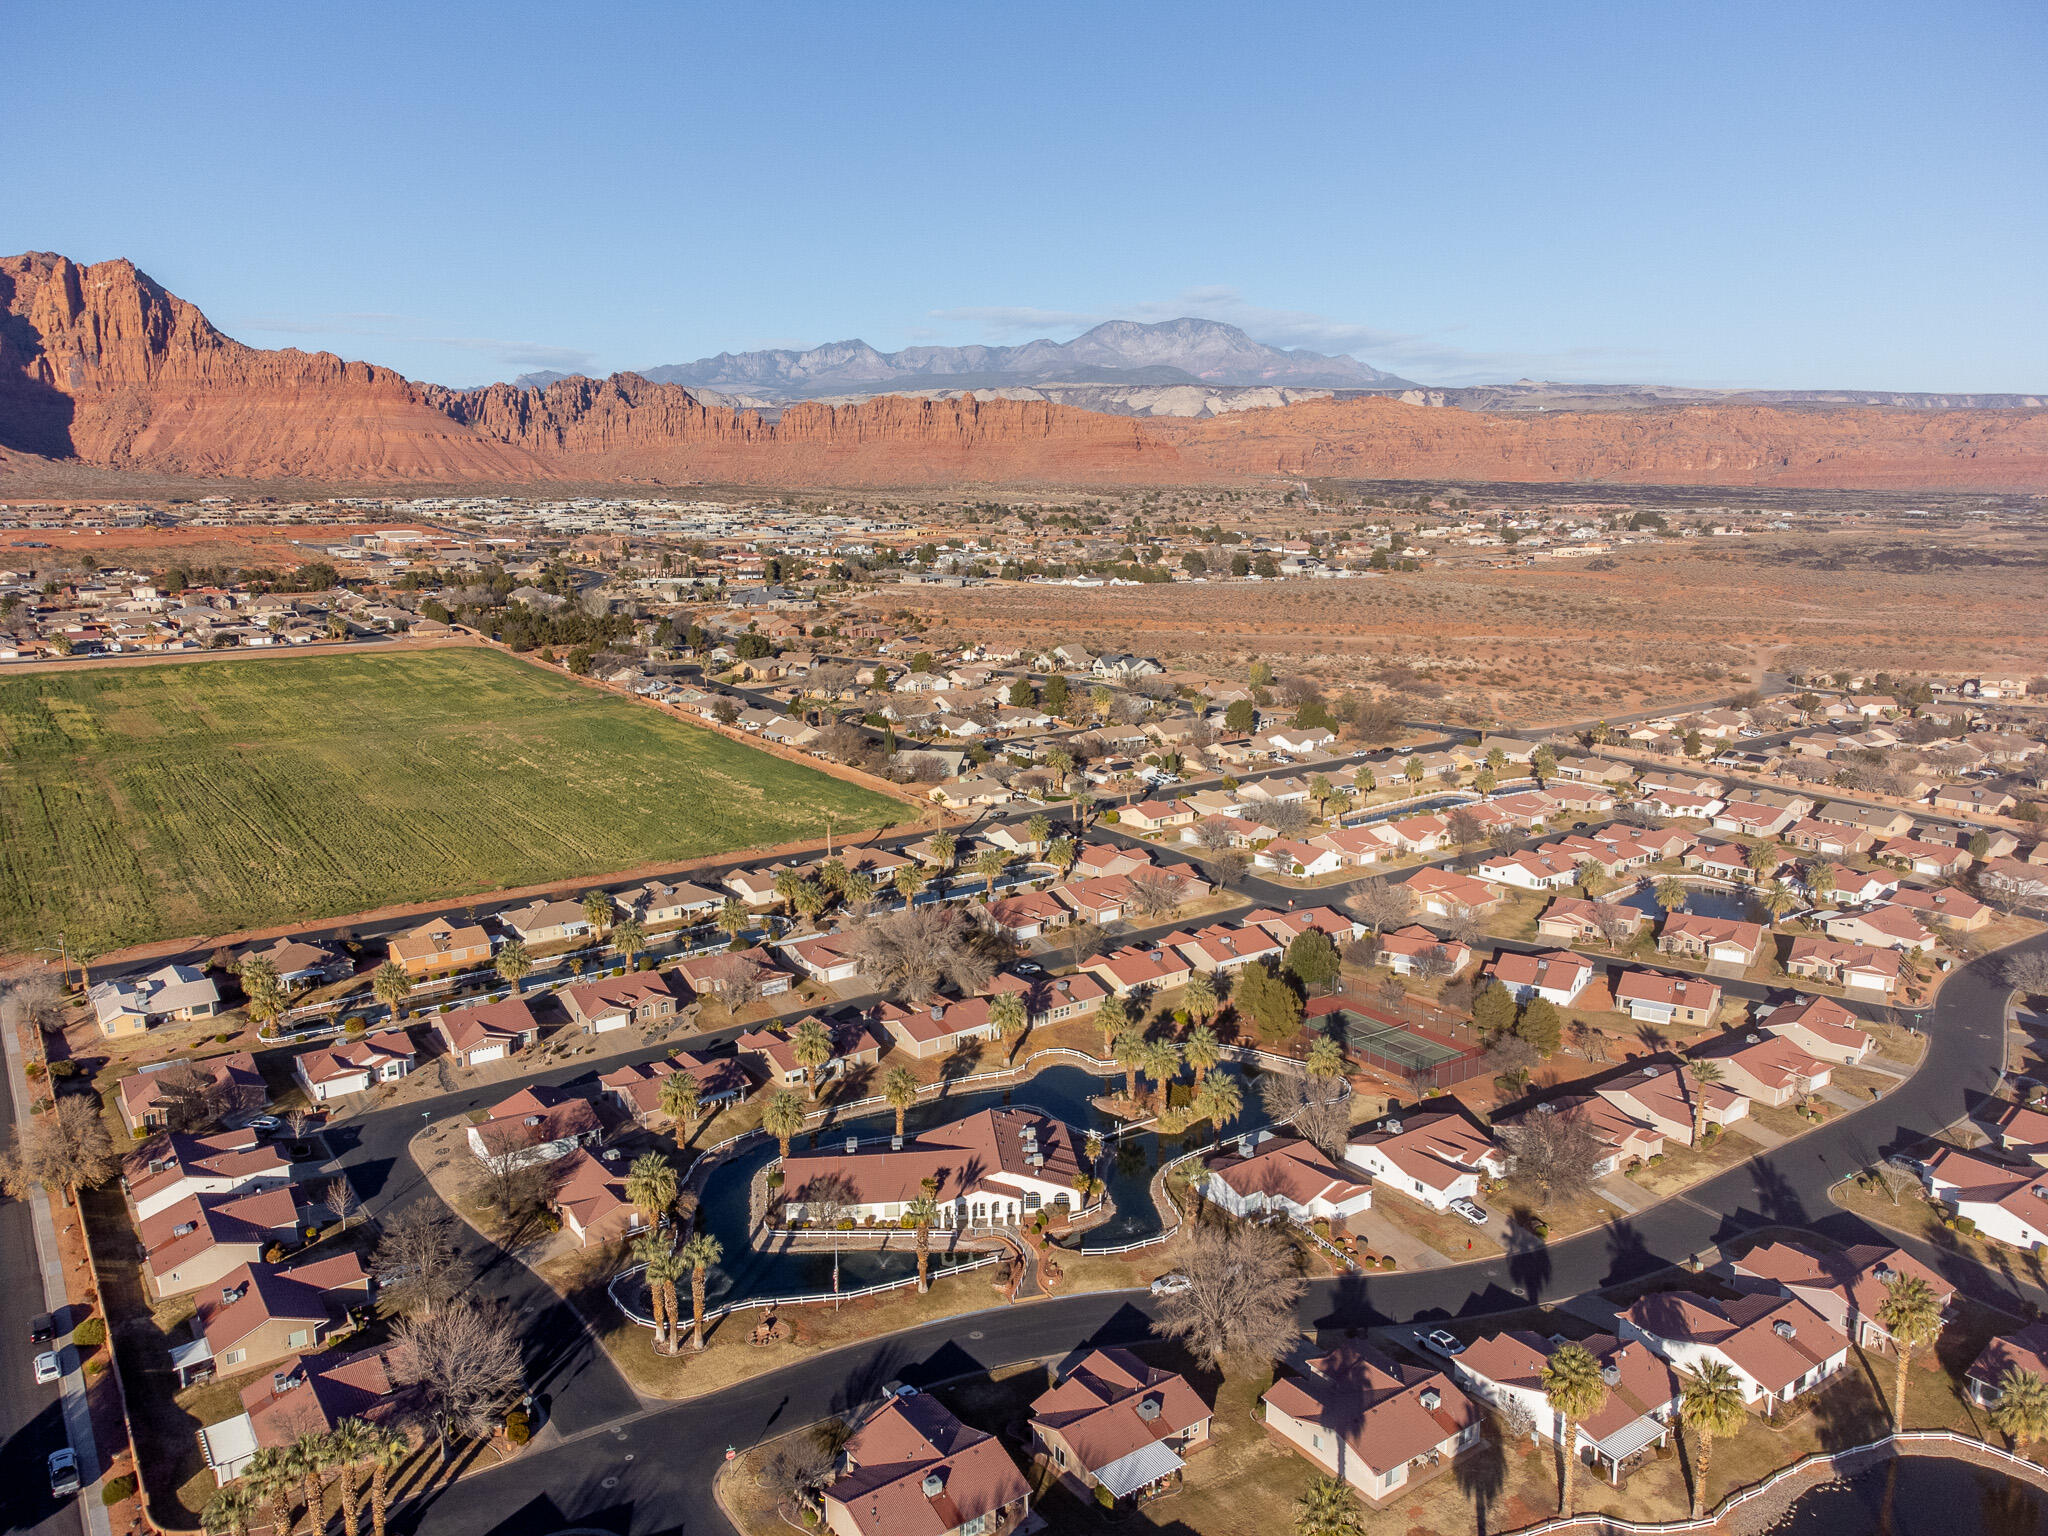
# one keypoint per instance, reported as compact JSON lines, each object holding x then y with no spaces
{"x":41,"y":1328}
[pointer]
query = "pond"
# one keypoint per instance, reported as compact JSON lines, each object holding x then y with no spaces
{"x":1700,"y":900}
{"x":1919,"y":1496}
{"x":1416,"y":808}
{"x":1063,"y":1092}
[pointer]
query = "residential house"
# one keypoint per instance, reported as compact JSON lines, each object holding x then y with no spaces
{"x":1676,"y":805}
{"x":1955,"y":909}
{"x":613,"y":1002}
{"x":1936,"y":860}
{"x":636,"y":1088}
{"x":1156,"y":815}
{"x":441,"y":948}
{"x":200,"y":1239}
{"x":1664,"y":1098}
{"x":1432,"y":1154}
{"x":1558,"y":977}
{"x":911,"y":1469}
{"x":1973,"y":800}
{"x":1526,"y":870}
{"x":299,"y":964}
{"x":1778,"y":1347}
{"x":1222,"y":947}
{"x":175,"y":1166}
{"x":173,"y":994}
{"x":1717,"y":940}
{"x":2009,"y":1205}
{"x":547,"y":922}
{"x":996,"y":1168}
{"x":1111,"y":1421}
{"x":1028,"y":914}
{"x":1574,"y":920}
{"x":2016,"y":1128}
{"x":1766,"y":1068}
{"x":232,"y":1087}
{"x":590,"y":1197}
{"x":1288,"y":856}
{"x":2024,"y":1350}
{"x":309,"y":1395}
{"x":712,"y":974}
{"x":1655,"y":998}
{"x":537,"y":1124}
{"x":1750,"y":819}
{"x":1053,"y":999}
{"x":1832,"y":838}
{"x":658,"y":903}
{"x":486,"y":1032}
{"x":1721,"y":861}
{"x":1288,"y":926}
{"x":1822,"y":1028}
{"x":1153,"y":969}
{"x":772,"y":1047}
{"x":1356,"y":846}
{"x":824,"y":957}
{"x":1639,"y":1413}
{"x":1627,"y":1138}
{"x":266,"y":1312}
{"x":1853,"y":967}
{"x":1284,"y":1175}
{"x":1847,"y":1287}
{"x":1407,"y":951}
{"x":939,"y":1027}
{"x":355,"y":1066}
{"x":1446,"y":893}
{"x":1886,"y":927}
{"x":1378,"y":1425}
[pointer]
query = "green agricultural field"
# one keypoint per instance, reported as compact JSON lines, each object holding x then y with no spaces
{"x":153,"y":802}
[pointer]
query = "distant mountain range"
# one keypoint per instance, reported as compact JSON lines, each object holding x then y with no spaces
{"x":1117,"y":352}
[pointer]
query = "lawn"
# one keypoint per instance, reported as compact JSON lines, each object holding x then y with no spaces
{"x":156,"y":802}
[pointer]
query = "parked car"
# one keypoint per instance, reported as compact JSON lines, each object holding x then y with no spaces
{"x":266,"y":1124}
{"x":47,"y":1368}
{"x":1471,"y":1212}
{"x":63,"y":1473}
{"x":41,"y":1328}
{"x":1444,"y":1342}
{"x":1171,"y":1285}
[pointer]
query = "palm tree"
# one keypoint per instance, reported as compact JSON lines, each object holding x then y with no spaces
{"x":264,"y":995}
{"x":782,"y":1117}
{"x":1219,"y":1099}
{"x":810,"y":900}
{"x":1671,"y":894}
{"x":2021,"y":1410}
{"x":387,"y":1452}
{"x":629,"y":938}
{"x":1601,"y":733}
{"x":698,"y":1255}
{"x":1083,"y":803}
{"x":1911,"y":1314}
{"x":859,"y":888}
{"x":1325,"y":1058}
{"x":1711,"y":1405}
{"x":990,"y":862}
{"x":944,"y":845}
{"x":1328,"y":1507}
{"x":1199,"y":996}
{"x":900,"y":1089}
{"x":1113,"y":1018}
{"x":812,"y":1047}
{"x":513,"y":963}
{"x":1592,"y":878}
{"x":1060,"y":853}
{"x":229,"y":1511}
{"x":787,"y":881}
{"x":909,"y":880}
{"x":350,"y":1445}
{"x":1576,"y":1390}
{"x":1820,"y":879}
{"x":1010,"y":1019}
{"x":682,"y":1100}
{"x":1131,"y":1055}
{"x":651,"y":1186}
{"x":1040,"y":829}
{"x":733,"y":918}
{"x":1484,"y":780}
{"x":1202,"y":1050}
{"x":597,"y":911}
{"x":310,"y":1455}
{"x":390,"y":986}
{"x":1702,"y":1075}
{"x":1777,"y":899}
{"x":271,"y":1480}
{"x":1761,"y":858}
{"x":662,"y":1269}
{"x":1162,"y":1065}
{"x":1061,"y":762}
{"x":923,"y":1212}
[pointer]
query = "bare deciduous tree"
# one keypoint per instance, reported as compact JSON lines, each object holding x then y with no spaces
{"x":2028,"y":973}
{"x":1238,"y":1307}
{"x":912,"y":953}
{"x":341,"y":1201}
{"x":1382,"y":905}
{"x":66,"y":1149}
{"x":36,"y":1002}
{"x":508,"y":1178}
{"x":1895,"y":1178}
{"x":1156,"y":892}
{"x":736,"y":979}
{"x":418,"y":1265}
{"x":1290,"y":818}
{"x":1318,"y":1111}
{"x":1214,"y":834}
{"x":1556,"y":1150}
{"x":464,"y":1363}
{"x":798,"y":1469}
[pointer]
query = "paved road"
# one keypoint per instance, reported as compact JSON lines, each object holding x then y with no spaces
{"x":652,"y":1473}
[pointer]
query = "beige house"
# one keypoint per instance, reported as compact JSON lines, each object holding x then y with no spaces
{"x":440,"y":947}
{"x":1115,"y":1423}
{"x":1379,"y":1426}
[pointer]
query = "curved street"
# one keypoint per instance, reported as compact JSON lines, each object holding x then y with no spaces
{"x":651,"y":1471}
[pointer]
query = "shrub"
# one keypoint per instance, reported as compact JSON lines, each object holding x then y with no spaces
{"x":33,"y":1069}
{"x":518,"y":1428}
{"x":117,"y":1489}
{"x":1112,"y":817}
{"x":63,"y":1069}
{"x":1104,"y":1497}
{"x":90,"y":1334}
{"x":353,"y":1024}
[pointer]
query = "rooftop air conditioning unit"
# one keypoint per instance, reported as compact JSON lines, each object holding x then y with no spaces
{"x":933,"y":1485}
{"x":852,"y":1144}
{"x":1783,"y":1329}
{"x":1393,"y":1127}
{"x":1611,"y":1374}
{"x":1148,"y":1408}
{"x":895,"y":1143}
{"x":1431,"y":1399}
{"x":533,"y":1119}
{"x":1753,"y":1037}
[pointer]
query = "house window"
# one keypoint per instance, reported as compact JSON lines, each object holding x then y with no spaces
{"x":234,"y":1357}
{"x":1059,"y":1454}
{"x":297,"y":1338}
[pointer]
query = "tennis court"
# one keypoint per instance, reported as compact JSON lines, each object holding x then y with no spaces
{"x":1404,"y":1047}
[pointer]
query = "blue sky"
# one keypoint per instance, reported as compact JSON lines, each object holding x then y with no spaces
{"x":1778,"y":195}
